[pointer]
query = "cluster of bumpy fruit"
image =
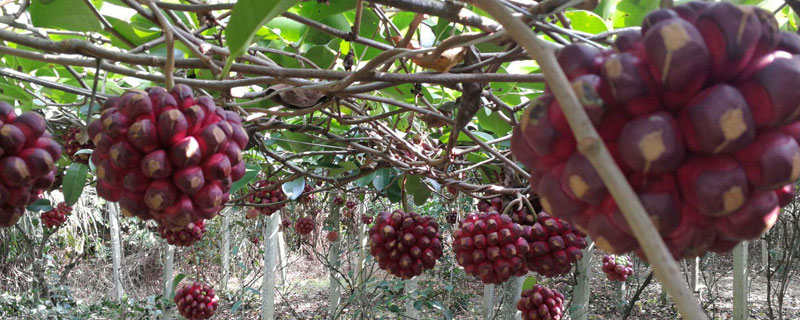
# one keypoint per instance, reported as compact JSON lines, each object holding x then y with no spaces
{"x":491,"y":247}
{"x":699,"y":111}
{"x":306,"y":197}
{"x":554,"y":246}
{"x":27,"y":162}
{"x":72,"y":144}
{"x":184,"y":237}
{"x":541,"y":303}
{"x":332,"y":236}
{"x":304,"y":226}
{"x":338,"y":201}
{"x":365,"y":219}
{"x":57,"y":216}
{"x":196,"y":301}
{"x":617,"y":268}
{"x":405,"y":243}
{"x":267,"y":196}
{"x":167,"y":156}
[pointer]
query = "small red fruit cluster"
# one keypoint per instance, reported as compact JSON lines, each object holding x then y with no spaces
{"x":540,"y":303}
{"x":167,"y":156}
{"x":350,"y":204}
{"x":332,"y":236}
{"x":72,"y":145}
{"x":617,"y":268}
{"x":452,"y":217}
{"x":304,"y":226}
{"x":699,"y":110}
{"x":554,"y":246}
{"x":405,"y":243}
{"x":306,"y":197}
{"x":365,"y":219}
{"x":27,"y":161}
{"x":268,"y":196}
{"x":57,"y":216}
{"x":184,"y":236}
{"x":338,"y":201}
{"x":491,"y":247}
{"x":286,"y":224}
{"x":196,"y":301}
{"x":496,"y":204}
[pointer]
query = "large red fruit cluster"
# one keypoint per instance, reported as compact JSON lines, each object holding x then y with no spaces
{"x":57,"y":216}
{"x":699,"y":111}
{"x":185,"y":236}
{"x":196,"y":301}
{"x":405,"y":243}
{"x":554,"y":246}
{"x":617,"y":268}
{"x":268,"y":196}
{"x":541,"y":303}
{"x":72,"y":144}
{"x":27,"y":161}
{"x":304,"y":226}
{"x":167,"y":156}
{"x":491,"y":247}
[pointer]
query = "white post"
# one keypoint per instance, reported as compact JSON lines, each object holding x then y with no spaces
{"x":488,"y":301}
{"x":270,"y":232}
{"x":169,"y":263}
{"x":581,"y":293}
{"x":362,"y":243}
{"x":283,"y":255}
{"x":512,"y":290}
{"x":226,"y":248}
{"x":116,"y":251}
{"x":696,"y":274}
{"x":740,"y":281}
{"x":619,"y":295}
{"x":411,"y":291}
{"x":333,"y":260}
{"x":764,"y":252}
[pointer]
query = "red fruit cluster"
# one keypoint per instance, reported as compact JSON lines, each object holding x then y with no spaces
{"x":306,"y":197}
{"x":167,"y":156}
{"x":350,"y":204}
{"x":255,"y":239}
{"x":365,"y":219}
{"x":495,"y":205}
{"x":72,"y":145}
{"x":183,"y":236}
{"x":405,"y":243}
{"x":332,"y":236}
{"x":285,"y":224}
{"x":338,"y":201}
{"x":700,"y":113}
{"x":452,"y":217}
{"x":491,"y":247}
{"x":27,"y":161}
{"x":275,"y":194}
{"x":304,"y":226}
{"x":617,"y":268}
{"x":522,"y":216}
{"x":541,"y":303}
{"x":196,"y":301}
{"x":57,"y":216}
{"x":554,"y":246}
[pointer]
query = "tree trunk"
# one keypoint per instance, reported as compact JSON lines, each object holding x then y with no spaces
{"x":169,"y":263}
{"x":270,"y":233}
{"x":226,"y":249}
{"x":411,"y":291}
{"x":740,"y":281}
{"x":512,"y":290}
{"x":488,"y":301}
{"x":581,"y":293}
{"x":333,"y":260}
{"x":116,"y":251}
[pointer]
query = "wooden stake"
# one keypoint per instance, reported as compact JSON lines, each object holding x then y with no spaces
{"x":740,"y":281}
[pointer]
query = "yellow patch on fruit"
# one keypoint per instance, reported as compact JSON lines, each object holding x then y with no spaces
{"x":136,"y":130}
{"x":126,"y":213}
{"x":545,"y":204}
{"x":493,"y":255}
{"x":795,"y":167}
{"x":578,"y":186}
{"x":115,"y":154}
{"x":219,"y":135}
{"x":747,"y":11}
{"x":22,"y":169}
{"x":613,"y":68}
{"x":153,"y":166}
{"x":101,"y":172}
{"x":652,"y":147}
{"x":732,"y":199}
{"x":674,"y":36}
{"x":195,"y":182}
{"x":107,"y":122}
{"x":217,"y":202}
{"x":5,"y":131}
{"x":733,"y":126}
{"x":155,"y":201}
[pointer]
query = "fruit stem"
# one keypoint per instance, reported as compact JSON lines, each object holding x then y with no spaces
{"x":591,"y":145}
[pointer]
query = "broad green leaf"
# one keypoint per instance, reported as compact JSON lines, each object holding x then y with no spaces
{"x":394,"y":192}
{"x":529,"y":283}
{"x":177,"y":280}
{"x":246,"y":19}
{"x":587,"y":21}
{"x":40,"y":205}
{"x":365,"y":180}
{"x":316,"y":10}
{"x":382,"y":178}
{"x":287,"y":29}
{"x":630,"y":13}
{"x":293,"y":189}
{"x":70,"y":15}
{"x":74,"y":181}
{"x":250,"y":174}
{"x":492,"y":122}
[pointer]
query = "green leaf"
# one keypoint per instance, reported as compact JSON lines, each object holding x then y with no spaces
{"x":630,"y":13}
{"x":177,"y":280}
{"x":382,"y":178}
{"x":293,"y":189}
{"x":529,"y":283}
{"x":492,"y":122}
{"x":365,"y":180}
{"x":394,"y":193}
{"x":40,"y":205}
{"x":71,"y":15}
{"x":438,"y":306}
{"x":587,"y":21}
{"x":74,"y":181}
{"x":316,"y":10}
{"x":249,"y":175}
{"x":246,"y":19}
